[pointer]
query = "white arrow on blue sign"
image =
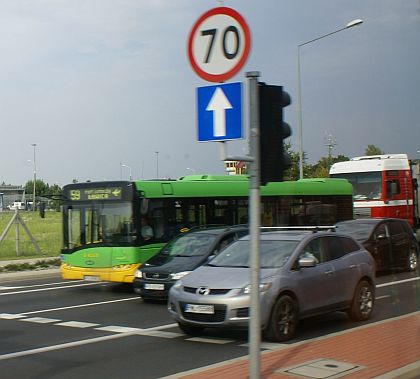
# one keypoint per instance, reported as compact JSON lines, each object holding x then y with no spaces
{"x":219,"y":111}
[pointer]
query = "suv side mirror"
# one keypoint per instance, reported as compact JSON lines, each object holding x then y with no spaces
{"x":307,"y":262}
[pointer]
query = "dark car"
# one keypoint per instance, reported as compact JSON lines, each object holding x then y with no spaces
{"x":391,"y":241}
{"x":180,"y":256}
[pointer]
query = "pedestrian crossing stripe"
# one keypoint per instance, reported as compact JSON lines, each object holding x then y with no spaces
{"x":41,"y":320}
{"x":149,"y":332}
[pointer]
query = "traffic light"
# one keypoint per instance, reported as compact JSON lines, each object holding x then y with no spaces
{"x":273,"y":160}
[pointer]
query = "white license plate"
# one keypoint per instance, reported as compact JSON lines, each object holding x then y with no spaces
{"x":92,"y":278}
{"x":199,"y":308}
{"x":154,"y":286}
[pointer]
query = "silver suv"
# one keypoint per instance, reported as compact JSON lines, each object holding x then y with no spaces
{"x":302,"y":274}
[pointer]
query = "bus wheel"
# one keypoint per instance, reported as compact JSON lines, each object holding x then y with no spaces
{"x":413,"y":260}
{"x":192,"y":330}
{"x":284,"y":319}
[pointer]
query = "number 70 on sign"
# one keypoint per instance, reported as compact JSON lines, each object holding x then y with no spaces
{"x":219,"y":44}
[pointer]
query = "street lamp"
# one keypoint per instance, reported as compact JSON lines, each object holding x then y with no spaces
{"x":129,"y":168}
{"x":349,"y":25}
{"x":34,"y":195}
{"x":157,"y":164}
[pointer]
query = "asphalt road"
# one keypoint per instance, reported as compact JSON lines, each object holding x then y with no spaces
{"x":50,"y":328}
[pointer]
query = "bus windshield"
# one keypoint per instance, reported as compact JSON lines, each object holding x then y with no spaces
{"x":366,"y":185}
{"x":94,"y":223}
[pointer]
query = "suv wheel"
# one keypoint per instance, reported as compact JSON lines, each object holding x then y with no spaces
{"x":284,"y":319}
{"x":413,"y":260}
{"x":192,"y":330}
{"x":362,"y":303}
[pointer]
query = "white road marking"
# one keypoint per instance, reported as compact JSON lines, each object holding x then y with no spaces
{"x":210,"y":340}
{"x":39,"y":285}
{"x":119,"y":329}
{"x":382,"y":297}
{"x":63,"y":346}
{"x":41,"y":320}
{"x":47,"y":289}
{"x":81,"y":305}
{"x":10,"y":316}
{"x":161,"y":334}
{"x":397,"y":282}
{"x":77,"y":324}
{"x":160,"y":327}
{"x":154,"y":331}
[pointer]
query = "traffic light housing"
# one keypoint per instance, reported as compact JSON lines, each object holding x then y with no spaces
{"x":273,"y":130}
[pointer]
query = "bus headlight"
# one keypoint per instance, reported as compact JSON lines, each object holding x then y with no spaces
{"x":138,"y":274}
{"x":178,"y":275}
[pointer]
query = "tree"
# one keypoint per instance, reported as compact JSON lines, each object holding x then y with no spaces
{"x":42,"y":189}
{"x":373,"y":150}
{"x":293,"y":173}
{"x":322,"y":168}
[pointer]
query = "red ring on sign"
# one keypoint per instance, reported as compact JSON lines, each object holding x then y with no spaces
{"x":247,"y":44}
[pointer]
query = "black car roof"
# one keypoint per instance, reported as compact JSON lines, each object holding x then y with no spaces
{"x":370,"y":221}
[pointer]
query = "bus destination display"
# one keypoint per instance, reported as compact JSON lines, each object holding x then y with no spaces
{"x":83,"y":194}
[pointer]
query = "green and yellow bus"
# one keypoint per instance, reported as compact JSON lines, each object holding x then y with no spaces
{"x":105,"y":236}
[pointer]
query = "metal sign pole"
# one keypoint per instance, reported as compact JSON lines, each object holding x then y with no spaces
{"x":254,"y":225}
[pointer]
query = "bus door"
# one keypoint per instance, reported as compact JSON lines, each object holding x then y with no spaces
{"x":83,"y":234}
{"x":94,"y":256}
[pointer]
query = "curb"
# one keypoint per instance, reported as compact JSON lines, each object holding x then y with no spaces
{"x":411,"y":371}
{"x":33,"y":274}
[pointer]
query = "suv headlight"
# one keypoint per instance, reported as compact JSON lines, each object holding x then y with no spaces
{"x":138,"y":274}
{"x":178,"y":275}
{"x":177,"y":285}
{"x":263,"y":288}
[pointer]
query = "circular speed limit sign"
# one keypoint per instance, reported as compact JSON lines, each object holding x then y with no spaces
{"x":219,"y":44}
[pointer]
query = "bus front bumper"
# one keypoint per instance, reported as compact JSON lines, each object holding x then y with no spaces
{"x":120,"y":274}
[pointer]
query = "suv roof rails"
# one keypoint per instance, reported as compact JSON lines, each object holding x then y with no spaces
{"x":216,"y":226}
{"x":306,"y":228}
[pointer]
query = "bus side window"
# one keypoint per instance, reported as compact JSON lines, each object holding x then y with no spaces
{"x":392,"y":188}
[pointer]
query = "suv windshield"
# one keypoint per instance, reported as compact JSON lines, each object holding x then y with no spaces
{"x":189,"y":245}
{"x":273,"y":254}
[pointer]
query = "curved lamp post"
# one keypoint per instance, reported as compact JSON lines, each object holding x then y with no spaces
{"x":34,"y":196}
{"x":349,"y":25}
{"x":129,"y":168}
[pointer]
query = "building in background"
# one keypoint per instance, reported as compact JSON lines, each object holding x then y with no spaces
{"x":10,"y":195}
{"x":235,"y":168}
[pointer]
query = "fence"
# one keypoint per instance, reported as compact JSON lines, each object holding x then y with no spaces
{"x":46,"y":233}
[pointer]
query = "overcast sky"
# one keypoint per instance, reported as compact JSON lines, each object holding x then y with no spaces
{"x":97,"y":83}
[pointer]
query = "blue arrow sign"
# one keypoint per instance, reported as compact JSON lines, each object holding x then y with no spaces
{"x":219,"y":112}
